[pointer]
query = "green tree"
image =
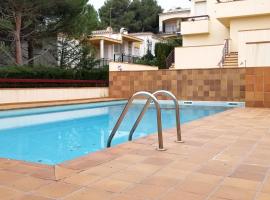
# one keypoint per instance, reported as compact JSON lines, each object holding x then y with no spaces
{"x":114,"y":13}
{"x":31,"y":20}
{"x":136,"y":15}
{"x":145,"y":14}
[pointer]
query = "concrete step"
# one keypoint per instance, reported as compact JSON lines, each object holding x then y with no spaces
{"x":229,"y":56}
{"x":231,"y":60}
{"x":230,"y":63}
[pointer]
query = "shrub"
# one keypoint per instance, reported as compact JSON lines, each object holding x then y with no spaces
{"x":162,"y":50}
{"x":41,"y":72}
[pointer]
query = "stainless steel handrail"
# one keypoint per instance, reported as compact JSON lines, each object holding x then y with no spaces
{"x":124,"y":112}
{"x":177,"y":114}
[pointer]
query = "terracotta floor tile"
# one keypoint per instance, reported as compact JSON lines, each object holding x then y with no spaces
{"x":29,"y":183}
{"x":184,"y":165}
{"x":102,"y":170}
{"x":160,"y":181}
{"x":56,"y":190}
{"x":90,"y":194}
{"x":44,"y":174}
{"x":173,"y":173}
{"x":253,"y":173}
{"x":242,"y":183}
{"x":266,"y":187}
{"x":33,"y":197}
{"x":146,"y":191}
{"x":82,"y":179}
{"x":263,"y":196}
{"x":61,"y":172}
{"x":6,"y":164}
{"x":205,"y":178}
{"x":157,"y":161}
{"x":126,"y":197}
{"x":178,"y":194}
{"x":233,"y":193}
{"x":111,"y":185}
{"x":22,"y":168}
{"x":9,"y":194}
{"x":196,"y":187}
{"x":133,"y":176}
{"x":145,"y":168}
{"x":130,"y":158}
{"x":6,"y":178}
{"x":217,"y":168}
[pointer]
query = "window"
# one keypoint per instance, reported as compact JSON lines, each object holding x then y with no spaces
{"x":200,"y":8}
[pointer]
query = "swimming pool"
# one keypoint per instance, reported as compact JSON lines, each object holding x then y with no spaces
{"x":53,"y":135}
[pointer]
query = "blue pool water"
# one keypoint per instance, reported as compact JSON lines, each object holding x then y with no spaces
{"x":56,"y":134}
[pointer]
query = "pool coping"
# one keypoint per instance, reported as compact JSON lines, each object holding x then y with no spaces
{"x":41,"y":104}
{"x":68,"y":168}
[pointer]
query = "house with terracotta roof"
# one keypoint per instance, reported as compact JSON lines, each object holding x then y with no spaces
{"x":115,"y":46}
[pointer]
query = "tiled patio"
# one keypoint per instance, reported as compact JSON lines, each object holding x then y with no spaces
{"x":224,"y":157}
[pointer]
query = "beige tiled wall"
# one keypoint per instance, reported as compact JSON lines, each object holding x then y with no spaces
{"x":258,"y":87}
{"x":193,"y":84}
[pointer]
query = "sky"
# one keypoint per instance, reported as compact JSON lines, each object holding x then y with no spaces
{"x":165,"y":4}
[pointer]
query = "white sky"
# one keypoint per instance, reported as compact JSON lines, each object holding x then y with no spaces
{"x":165,"y":4}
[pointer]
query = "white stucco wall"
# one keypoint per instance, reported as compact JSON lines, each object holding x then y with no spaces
{"x":50,"y":94}
{"x":217,"y":31}
{"x":171,"y":15}
{"x":118,"y":66}
{"x":198,"y":57}
{"x":254,"y":48}
{"x":145,"y":37}
{"x":247,"y":23}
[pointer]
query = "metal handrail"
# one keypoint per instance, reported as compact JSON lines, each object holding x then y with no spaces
{"x":225,"y":52}
{"x":177,"y":114}
{"x":124,"y":112}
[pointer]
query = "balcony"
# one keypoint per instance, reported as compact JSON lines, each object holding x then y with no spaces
{"x":195,"y":25}
{"x":228,"y":9}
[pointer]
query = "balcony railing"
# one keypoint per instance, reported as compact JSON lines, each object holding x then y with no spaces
{"x":226,"y":1}
{"x":196,"y":18}
{"x":195,"y":25}
{"x":125,"y":58}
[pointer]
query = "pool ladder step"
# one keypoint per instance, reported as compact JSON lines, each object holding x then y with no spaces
{"x":152,"y":98}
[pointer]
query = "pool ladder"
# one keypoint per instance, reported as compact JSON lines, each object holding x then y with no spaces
{"x":151,"y":98}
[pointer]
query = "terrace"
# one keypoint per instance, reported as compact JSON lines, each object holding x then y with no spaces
{"x":230,"y":9}
{"x":195,"y":25}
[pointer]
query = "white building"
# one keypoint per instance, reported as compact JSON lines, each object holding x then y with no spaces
{"x":170,"y":21}
{"x":225,"y":33}
{"x":111,"y":45}
{"x":149,"y":41}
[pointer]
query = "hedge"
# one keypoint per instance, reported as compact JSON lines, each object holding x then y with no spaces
{"x":41,"y":72}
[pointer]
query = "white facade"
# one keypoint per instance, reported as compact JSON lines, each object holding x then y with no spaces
{"x":110,"y":44}
{"x":149,"y":40}
{"x":170,"y":21}
{"x":244,"y":25}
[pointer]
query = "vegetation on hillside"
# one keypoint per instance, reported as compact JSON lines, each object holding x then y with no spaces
{"x":162,"y":50}
{"x":27,"y":24}
{"x":136,"y":15}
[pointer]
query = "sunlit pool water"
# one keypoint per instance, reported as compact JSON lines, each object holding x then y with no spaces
{"x":53,"y":135}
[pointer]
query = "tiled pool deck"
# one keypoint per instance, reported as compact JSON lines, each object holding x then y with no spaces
{"x":224,"y":157}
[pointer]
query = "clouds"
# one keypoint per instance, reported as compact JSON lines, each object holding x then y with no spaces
{"x":165,"y":4}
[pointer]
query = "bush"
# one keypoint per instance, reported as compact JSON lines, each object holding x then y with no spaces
{"x":41,"y":72}
{"x":162,"y":51}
